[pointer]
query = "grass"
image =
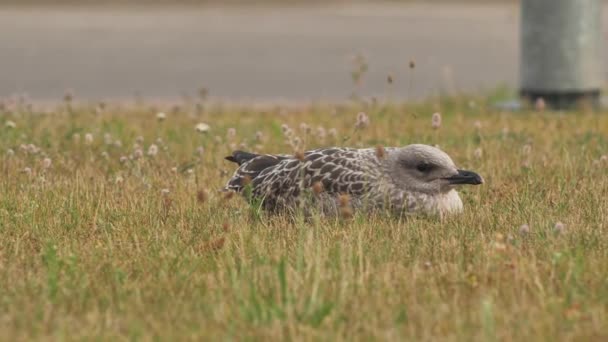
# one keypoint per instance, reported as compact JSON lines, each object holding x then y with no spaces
{"x":92,"y":247}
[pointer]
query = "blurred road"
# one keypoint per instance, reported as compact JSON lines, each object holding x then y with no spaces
{"x":256,"y":54}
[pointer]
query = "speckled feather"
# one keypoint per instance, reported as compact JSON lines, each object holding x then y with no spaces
{"x":280,"y":180}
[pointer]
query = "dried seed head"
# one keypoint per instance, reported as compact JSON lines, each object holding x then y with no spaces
{"x":27,"y":171}
{"x":436,"y":120}
{"x":46,"y":163}
{"x":33,"y":149}
{"x":499,"y":237}
{"x":139,"y":140}
{"x":346,"y":212}
{"x":164,"y":192}
{"x":203,"y":92}
{"x":317,"y":188}
{"x":76,"y":137}
{"x":499,"y":242}
{"x":333,"y":133}
{"x":101,"y":105}
{"x":344,"y":200}
{"x":228,"y":195}
{"x":160,"y":116}
{"x":380,"y":152}
{"x":299,"y":155}
{"x":118,"y":180}
{"x":118,"y":144}
{"x":288,"y":133}
{"x":499,"y":246}
{"x":362,"y":120}
{"x":477,"y":125}
{"x":526,"y":149}
{"x":10,"y":152}
{"x":559,"y":227}
{"x":296,"y":142}
{"x":540,"y":104}
{"x":478,"y":153}
{"x":304,"y":127}
{"x":99,"y":110}
{"x":202,"y":196}
{"x":68,"y":96}
{"x":259,"y":136}
{"x":88,"y":138}
{"x":524,"y":229}
{"x":321,"y":133}
{"x":152,"y":150}
{"x":231,"y":133}
{"x":202,"y":127}
{"x":10,"y":124}
{"x":123,"y":159}
{"x":138,"y":153}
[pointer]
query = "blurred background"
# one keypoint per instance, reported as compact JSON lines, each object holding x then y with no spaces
{"x":256,"y":51}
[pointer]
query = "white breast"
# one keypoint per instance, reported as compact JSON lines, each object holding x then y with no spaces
{"x":448,"y":203}
{"x":441,"y":204}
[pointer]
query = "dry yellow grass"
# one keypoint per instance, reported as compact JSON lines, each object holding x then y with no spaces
{"x":110,"y":240}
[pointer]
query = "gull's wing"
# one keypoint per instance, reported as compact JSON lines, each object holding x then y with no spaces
{"x":339,"y":170}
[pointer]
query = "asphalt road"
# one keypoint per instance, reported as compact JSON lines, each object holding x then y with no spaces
{"x":260,"y":54}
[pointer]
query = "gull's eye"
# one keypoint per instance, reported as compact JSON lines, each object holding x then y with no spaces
{"x":424,"y":167}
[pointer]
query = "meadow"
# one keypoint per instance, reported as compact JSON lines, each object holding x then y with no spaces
{"x":112,"y":227}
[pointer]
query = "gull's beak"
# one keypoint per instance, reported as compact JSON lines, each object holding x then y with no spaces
{"x":465,"y":177}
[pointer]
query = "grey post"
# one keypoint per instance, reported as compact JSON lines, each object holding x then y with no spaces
{"x":561,"y":58}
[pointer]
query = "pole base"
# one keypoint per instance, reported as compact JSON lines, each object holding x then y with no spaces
{"x":563,"y":100}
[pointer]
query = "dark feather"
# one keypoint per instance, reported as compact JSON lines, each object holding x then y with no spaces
{"x":279,"y":179}
{"x":250,"y":166}
{"x":241,"y":157}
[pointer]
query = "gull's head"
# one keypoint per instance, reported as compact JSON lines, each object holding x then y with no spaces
{"x":427,"y":169}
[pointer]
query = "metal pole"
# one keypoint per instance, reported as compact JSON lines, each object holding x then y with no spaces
{"x":561,"y":58}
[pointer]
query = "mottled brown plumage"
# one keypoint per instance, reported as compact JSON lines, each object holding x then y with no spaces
{"x":405,"y":179}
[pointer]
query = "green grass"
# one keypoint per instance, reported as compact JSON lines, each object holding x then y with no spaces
{"x":92,"y":248}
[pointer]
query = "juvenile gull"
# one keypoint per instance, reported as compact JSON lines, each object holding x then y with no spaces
{"x":412,"y":179}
